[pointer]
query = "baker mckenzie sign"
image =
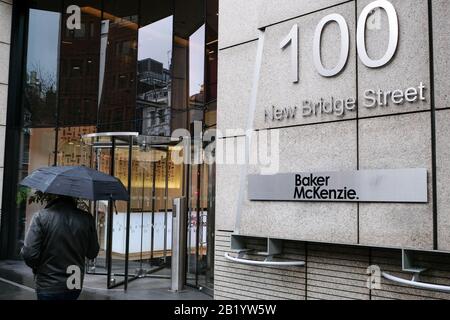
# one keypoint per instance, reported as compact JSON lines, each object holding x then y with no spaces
{"x":396,"y":185}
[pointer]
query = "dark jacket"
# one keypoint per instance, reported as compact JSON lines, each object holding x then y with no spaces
{"x":59,"y":236}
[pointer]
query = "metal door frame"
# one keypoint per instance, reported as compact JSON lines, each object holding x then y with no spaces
{"x":131,"y":140}
{"x":112,"y":145}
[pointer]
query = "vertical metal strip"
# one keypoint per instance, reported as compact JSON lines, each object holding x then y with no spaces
{"x":433,"y":127}
{"x":357,"y":128}
{"x":248,"y":134}
{"x":109,"y":234}
{"x":198,"y":227}
{"x":152,"y":246}
{"x":166,"y":203}
{"x":127,"y":232}
{"x":142,"y":215}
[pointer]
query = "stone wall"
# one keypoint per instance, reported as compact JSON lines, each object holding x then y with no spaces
{"x":410,"y":135}
{"x":5,"y":42}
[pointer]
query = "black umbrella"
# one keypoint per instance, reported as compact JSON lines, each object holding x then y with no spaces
{"x":76,"y":181}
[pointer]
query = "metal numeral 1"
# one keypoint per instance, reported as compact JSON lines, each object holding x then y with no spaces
{"x":292,"y":39}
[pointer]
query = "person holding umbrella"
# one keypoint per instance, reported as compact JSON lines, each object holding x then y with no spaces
{"x":61,"y":236}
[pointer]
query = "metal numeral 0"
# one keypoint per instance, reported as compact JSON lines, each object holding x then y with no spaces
{"x":345,"y":45}
{"x":393,"y":34}
{"x":292,"y":39}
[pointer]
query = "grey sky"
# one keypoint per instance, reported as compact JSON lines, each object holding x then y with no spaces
{"x":155,"y":41}
{"x":43,"y":41}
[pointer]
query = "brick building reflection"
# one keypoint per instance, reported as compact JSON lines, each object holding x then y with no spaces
{"x":79,"y":73}
{"x":154,"y":98}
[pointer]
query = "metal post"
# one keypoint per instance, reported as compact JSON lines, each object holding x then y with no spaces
{"x":152,"y":244}
{"x":166,"y":204}
{"x":127,"y":232}
{"x":178,"y":244}
{"x":109,"y":235}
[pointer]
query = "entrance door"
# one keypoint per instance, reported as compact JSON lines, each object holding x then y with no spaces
{"x":150,"y":243}
{"x":200,"y":241}
{"x":111,"y":154}
{"x":135,"y":236}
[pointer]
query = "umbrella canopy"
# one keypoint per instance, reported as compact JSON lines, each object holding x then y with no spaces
{"x":76,"y":181}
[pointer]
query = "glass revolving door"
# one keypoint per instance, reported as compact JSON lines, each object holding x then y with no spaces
{"x":135,"y":236}
{"x":111,"y":154}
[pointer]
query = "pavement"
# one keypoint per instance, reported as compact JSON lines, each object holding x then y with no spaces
{"x":16,"y":283}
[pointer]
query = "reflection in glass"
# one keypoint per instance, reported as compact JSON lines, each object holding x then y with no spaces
{"x":196,"y":74}
{"x":79,"y":58}
{"x":211,"y":63}
{"x":37,"y":150}
{"x":146,"y":66}
{"x":39,"y":105}
{"x":154,"y":78}
{"x":71,"y":150}
{"x":118,"y":55}
{"x":41,"y":86}
{"x":206,"y":272}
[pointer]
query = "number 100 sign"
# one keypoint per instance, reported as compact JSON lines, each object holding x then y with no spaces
{"x":291,"y":40}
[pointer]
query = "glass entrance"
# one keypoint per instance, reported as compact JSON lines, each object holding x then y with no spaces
{"x":111,"y":154}
{"x":201,"y":223}
{"x":125,"y":66}
{"x":135,"y":236}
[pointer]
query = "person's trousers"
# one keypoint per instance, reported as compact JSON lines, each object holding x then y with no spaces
{"x":64,"y":295}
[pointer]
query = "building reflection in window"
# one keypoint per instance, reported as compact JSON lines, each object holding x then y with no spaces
{"x":39,"y":104}
{"x":41,"y":84}
{"x":154,"y":78}
{"x":79,"y":65}
{"x":196,"y":74}
{"x":118,"y":55}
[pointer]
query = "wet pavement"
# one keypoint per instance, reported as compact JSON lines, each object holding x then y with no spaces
{"x":16,"y":283}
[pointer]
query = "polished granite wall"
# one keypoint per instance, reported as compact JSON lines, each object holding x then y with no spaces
{"x":411,"y":135}
{"x":5,"y":41}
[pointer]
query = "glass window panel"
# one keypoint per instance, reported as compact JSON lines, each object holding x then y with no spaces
{"x":118,"y":56}
{"x":197,"y":69}
{"x":188,"y":106}
{"x":37,"y":137}
{"x":80,"y":55}
{"x":154,"y":72}
{"x":188,"y":22}
{"x":71,"y":150}
{"x":37,"y":150}
{"x":41,"y":82}
{"x":211,"y":51}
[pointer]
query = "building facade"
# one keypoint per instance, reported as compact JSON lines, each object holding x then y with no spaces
{"x":325,"y":79}
{"x":5,"y":45}
{"x":88,"y":79}
{"x":342,"y":105}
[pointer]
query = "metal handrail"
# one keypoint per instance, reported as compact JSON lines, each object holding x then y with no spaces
{"x":265,"y":263}
{"x":415,"y":283}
